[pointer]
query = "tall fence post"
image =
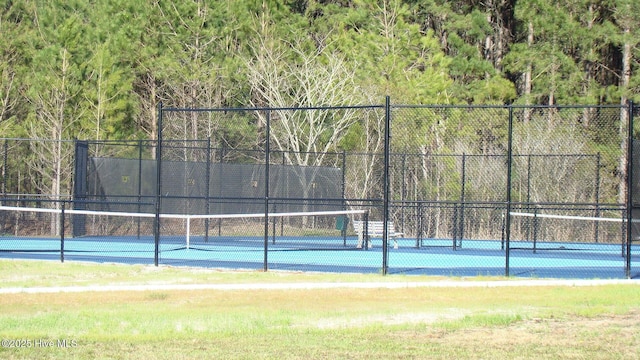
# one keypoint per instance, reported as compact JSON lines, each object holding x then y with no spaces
{"x":629,"y":199}
{"x":343,"y":193}
{"x":62,"y":232}
{"x":139,"y":183}
{"x":267,"y":149}
{"x":385,"y":195}
{"x":207,"y":206}
{"x":597,"y":198}
{"x":508,"y":205}
{"x":156,"y":223}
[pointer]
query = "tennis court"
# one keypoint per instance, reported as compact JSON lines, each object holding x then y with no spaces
{"x":302,"y":241}
{"x":325,"y":254}
{"x":455,"y":205}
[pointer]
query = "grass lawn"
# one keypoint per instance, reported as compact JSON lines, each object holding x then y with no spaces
{"x":538,"y":322}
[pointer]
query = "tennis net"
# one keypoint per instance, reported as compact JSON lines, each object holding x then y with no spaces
{"x":280,"y":230}
{"x":287,"y":231}
{"x":547,"y":231}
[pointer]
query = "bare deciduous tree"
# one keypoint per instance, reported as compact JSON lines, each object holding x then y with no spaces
{"x":287,"y":75}
{"x":55,"y":113}
{"x":315,"y":79}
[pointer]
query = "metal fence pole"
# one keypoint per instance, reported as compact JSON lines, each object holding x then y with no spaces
{"x":385,"y":196}
{"x":597,"y":198}
{"x":139,"y":183}
{"x":266,"y":190}
{"x":509,"y":180}
{"x":156,"y":227}
{"x":207,"y":205}
{"x":343,"y":193}
{"x":62,"y":233}
{"x":462,"y":200}
{"x":629,"y":199}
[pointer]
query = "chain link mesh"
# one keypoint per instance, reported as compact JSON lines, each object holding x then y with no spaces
{"x":467,"y":184}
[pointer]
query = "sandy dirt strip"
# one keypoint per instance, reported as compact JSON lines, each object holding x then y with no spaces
{"x":317,"y":285}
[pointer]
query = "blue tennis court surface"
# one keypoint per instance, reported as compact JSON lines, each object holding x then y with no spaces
{"x":324,"y":254}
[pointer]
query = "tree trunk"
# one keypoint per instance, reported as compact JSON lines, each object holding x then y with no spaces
{"x":527,"y":76}
{"x":624,"y":115}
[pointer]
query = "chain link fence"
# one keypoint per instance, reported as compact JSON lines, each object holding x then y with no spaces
{"x":519,"y":180}
{"x":469,"y":190}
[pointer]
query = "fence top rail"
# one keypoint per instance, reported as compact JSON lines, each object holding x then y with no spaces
{"x":300,"y":108}
{"x":512,"y":106}
{"x":39,"y":140}
{"x":379,"y":106}
{"x":533,"y":205}
{"x":469,"y":155}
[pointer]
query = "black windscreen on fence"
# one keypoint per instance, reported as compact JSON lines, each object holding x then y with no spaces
{"x":202,"y":188}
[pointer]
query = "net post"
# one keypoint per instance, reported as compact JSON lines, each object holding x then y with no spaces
{"x":274,"y":225}
{"x":454,"y":227}
{"x":344,"y":231}
{"x":365,"y":231}
{"x":188,"y":231}
{"x":535,"y":230}
{"x":420,"y":224}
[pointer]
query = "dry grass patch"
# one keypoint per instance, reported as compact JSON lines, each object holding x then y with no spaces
{"x":542,"y":322}
{"x":605,"y":336}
